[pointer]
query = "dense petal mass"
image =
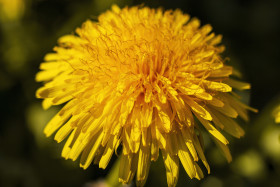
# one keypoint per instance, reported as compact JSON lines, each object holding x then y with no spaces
{"x":140,"y":78}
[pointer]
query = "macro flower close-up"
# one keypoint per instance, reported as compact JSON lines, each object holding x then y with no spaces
{"x":126,"y":93}
{"x":139,"y":82}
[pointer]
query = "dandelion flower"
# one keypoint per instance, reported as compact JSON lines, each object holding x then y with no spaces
{"x":141,"y":79}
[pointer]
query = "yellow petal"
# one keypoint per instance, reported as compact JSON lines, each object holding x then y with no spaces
{"x":66,"y":149}
{"x":165,"y":120}
{"x":47,"y":103}
{"x":159,"y":136}
{"x":58,"y":120}
{"x":222,"y":72}
{"x":200,"y":153}
{"x":70,"y":40}
{"x":216,"y":40}
{"x":238,"y":84}
{"x":128,"y":166}
{"x":228,"y":124}
{"x":148,"y":94}
{"x":46,"y":75}
{"x":108,"y":152}
{"x":216,"y":102}
{"x":217,"y":86}
{"x":206,"y":29}
{"x":172,"y":168}
{"x":78,"y":146}
{"x":125,"y":141}
{"x":172,"y":143}
{"x":190,"y":89}
{"x":204,"y":95}
{"x":126,"y":109}
{"x":90,"y":151}
{"x":198,"y":109}
{"x":146,"y":136}
{"x":224,"y":148}
{"x":146,"y":115}
{"x":143,"y":165}
{"x":199,"y":174}
{"x":154,"y":150}
{"x":195,"y":38}
{"x":125,"y":172}
{"x":212,"y":130}
{"x":186,"y":158}
{"x":183,"y":112}
{"x":227,"y":110}
{"x":189,"y":143}
{"x":164,"y":116}
{"x":161,"y":96}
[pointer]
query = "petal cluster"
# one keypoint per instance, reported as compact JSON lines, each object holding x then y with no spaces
{"x":140,"y":79}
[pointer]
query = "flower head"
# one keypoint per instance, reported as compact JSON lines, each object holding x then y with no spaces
{"x":137,"y":79}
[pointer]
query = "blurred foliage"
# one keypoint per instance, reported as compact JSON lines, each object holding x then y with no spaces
{"x":29,"y":29}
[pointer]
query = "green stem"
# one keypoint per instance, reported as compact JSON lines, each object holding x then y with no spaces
{"x":112,"y":178}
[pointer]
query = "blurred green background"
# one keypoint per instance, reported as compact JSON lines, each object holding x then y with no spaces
{"x":30,"y":28}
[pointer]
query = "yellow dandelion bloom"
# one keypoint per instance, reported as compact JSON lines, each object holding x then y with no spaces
{"x":138,"y":79}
